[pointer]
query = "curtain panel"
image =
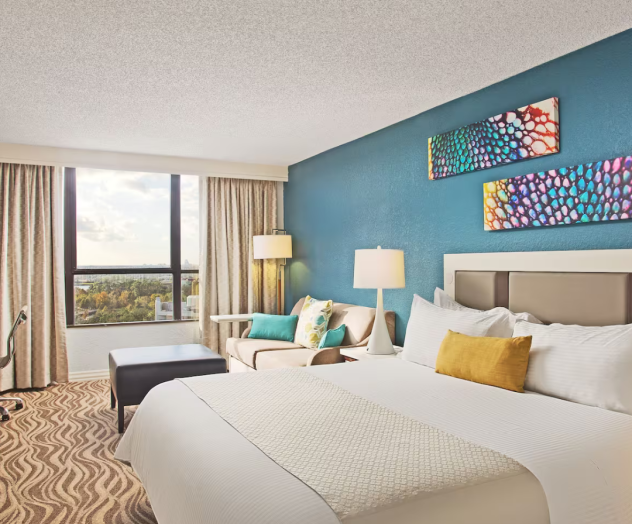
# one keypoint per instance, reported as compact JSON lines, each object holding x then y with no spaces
{"x":32,"y":274}
{"x":232,"y":211}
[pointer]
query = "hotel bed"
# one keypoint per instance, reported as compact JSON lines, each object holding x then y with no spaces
{"x":393,"y":441}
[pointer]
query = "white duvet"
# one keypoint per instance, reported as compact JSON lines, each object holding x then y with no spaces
{"x":198,"y":469}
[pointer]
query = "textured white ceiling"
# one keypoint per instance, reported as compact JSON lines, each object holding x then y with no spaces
{"x":263,"y":81}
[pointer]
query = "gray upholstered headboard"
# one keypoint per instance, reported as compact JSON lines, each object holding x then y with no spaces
{"x":573,"y":287}
{"x":588,"y":299}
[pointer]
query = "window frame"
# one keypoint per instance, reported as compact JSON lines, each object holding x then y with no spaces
{"x":70,"y":255}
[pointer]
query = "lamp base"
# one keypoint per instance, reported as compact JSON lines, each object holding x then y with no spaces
{"x":380,"y":341}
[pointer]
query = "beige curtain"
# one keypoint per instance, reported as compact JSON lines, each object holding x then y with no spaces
{"x":231,"y":212}
{"x":32,"y":274}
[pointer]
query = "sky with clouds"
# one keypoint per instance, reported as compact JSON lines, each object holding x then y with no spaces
{"x":123,"y":218}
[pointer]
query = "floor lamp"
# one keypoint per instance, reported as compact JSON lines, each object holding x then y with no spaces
{"x":379,"y":269}
{"x":6,"y":360}
{"x":277,"y":245}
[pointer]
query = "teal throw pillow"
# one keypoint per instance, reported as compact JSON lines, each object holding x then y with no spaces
{"x":273,"y":327}
{"x":333,"y":337}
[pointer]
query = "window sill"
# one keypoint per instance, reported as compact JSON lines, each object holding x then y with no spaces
{"x":143,"y":323}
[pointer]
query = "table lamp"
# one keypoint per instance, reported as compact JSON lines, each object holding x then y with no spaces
{"x":379,"y":269}
{"x":277,"y":245}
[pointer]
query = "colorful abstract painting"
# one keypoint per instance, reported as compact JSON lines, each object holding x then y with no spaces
{"x":595,"y":192}
{"x":523,"y":133}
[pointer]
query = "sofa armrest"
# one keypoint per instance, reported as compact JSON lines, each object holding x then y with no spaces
{"x":246,"y":332}
{"x":325,"y":356}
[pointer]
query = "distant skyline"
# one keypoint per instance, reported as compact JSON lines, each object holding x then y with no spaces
{"x":123,"y":218}
{"x":185,"y":265}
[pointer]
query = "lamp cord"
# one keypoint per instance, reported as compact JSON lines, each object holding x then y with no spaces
{"x":4,"y":362}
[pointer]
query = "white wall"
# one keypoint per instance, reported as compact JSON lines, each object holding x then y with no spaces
{"x":62,"y":157}
{"x":88,"y":347}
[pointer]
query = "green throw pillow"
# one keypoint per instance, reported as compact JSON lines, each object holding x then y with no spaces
{"x":273,"y":327}
{"x":333,"y":337}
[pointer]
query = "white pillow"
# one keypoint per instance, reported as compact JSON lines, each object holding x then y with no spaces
{"x":442,"y":299}
{"x":428,"y":325}
{"x":588,"y":365}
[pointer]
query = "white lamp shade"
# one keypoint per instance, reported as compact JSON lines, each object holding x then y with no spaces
{"x":272,"y":246}
{"x":379,"y":269}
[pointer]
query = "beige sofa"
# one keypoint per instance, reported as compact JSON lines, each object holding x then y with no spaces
{"x":251,"y":354}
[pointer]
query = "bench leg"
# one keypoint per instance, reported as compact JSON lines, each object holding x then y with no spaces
{"x":112,"y":399}
{"x":121,"y":418}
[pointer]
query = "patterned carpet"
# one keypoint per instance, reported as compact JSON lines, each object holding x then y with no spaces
{"x":56,"y":461}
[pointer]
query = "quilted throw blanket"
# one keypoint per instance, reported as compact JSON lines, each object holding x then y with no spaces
{"x":358,"y":456}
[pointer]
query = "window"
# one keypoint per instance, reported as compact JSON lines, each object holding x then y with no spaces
{"x":132,"y":247}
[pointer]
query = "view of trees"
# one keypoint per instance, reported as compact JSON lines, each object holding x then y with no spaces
{"x":119,"y":300}
{"x":190,"y":286}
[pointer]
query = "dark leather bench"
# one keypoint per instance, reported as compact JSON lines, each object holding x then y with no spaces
{"x":135,"y":371}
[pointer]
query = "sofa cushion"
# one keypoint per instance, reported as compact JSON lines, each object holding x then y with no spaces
{"x":246,"y":349}
{"x":288,"y":358}
{"x":358,"y":319}
{"x":298,"y":307}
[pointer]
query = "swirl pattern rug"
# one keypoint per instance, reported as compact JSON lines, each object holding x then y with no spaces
{"x":57,"y":465}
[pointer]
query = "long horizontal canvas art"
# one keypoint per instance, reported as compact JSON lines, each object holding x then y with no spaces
{"x":526,"y":132}
{"x":595,"y":192}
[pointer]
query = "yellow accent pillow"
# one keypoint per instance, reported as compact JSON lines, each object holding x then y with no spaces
{"x":500,"y":362}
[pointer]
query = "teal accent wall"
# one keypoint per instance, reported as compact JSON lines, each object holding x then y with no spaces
{"x":375,"y":190}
